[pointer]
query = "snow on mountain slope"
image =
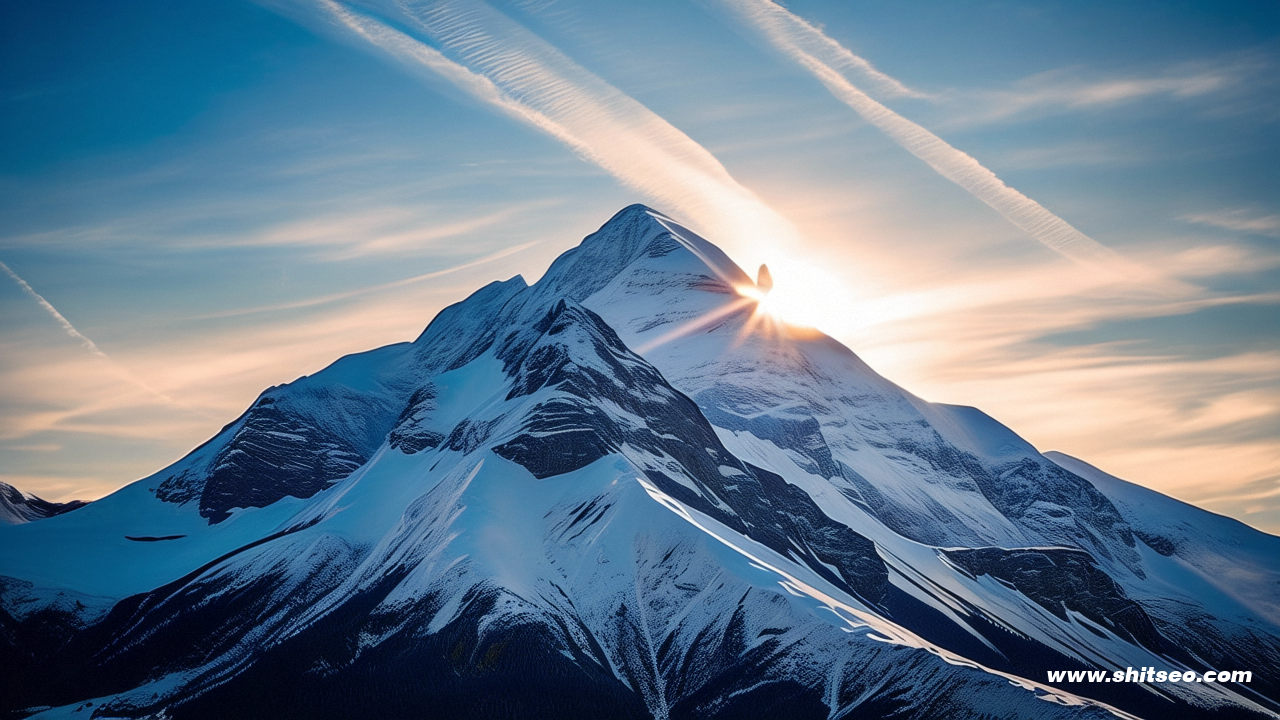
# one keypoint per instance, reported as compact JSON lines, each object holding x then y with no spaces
{"x":582,"y":564}
{"x":776,"y":388}
{"x":1237,"y":560}
{"x":620,"y":493}
{"x":20,"y":507}
{"x":1213,"y":581}
{"x":941,"y":475}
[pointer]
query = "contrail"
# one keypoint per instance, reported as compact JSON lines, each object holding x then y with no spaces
{"x":416,"y":55}
{"x":85,"y":342}
{"x":804,"y":43}
{"x":498,"y":61}
{"x":800,"y":33}
{"x":49,"y":308}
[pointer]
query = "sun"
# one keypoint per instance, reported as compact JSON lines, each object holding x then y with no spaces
{"x":775,"y":308}
{"x":786,"y":311}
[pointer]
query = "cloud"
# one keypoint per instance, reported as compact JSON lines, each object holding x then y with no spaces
{"x":1173,"y":416}
{"x":360,"y":232}
{"x":1239,"y":83}
{"x":1063,"y":90}
{"x":60,"y":488}
{"x":1205,"y":260}
{"x":216,"y":364}
{"x":47,"y":388}
{"x":1257,"y":502}
{"x":391,"y":215}
{"x":335,"y":297}
{"x":51,"y":395}
{"x":1177,"y":424}
{"x":500,"y":63}
{"x":797,"y":39}
{"x":787,"y":29}
{"x":1240,"y":220}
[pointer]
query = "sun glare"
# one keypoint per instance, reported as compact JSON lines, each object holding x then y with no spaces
{"x":791,"y":304}
{"x":768,"y":306}
{"x":789,"y":309}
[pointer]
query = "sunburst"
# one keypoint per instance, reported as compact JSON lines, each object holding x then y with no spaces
{"x":766,"y":315}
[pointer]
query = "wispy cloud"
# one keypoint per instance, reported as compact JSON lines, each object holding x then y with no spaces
{"x":1065,"y":90}
{"x":1240,"y":220}
{"x":1241,"y":83}
{"x":336,"y":297}
{"x":499,"y":62}
{"x":797,"y":38}
{"x":1031,"y":343}
{"x":1172,"y":421}
{"x":366,"y":232}
{"x":50,"y":396}
{"x":398,"y":213}
{"x":1257,"y":501}
{"x":60,"y":488}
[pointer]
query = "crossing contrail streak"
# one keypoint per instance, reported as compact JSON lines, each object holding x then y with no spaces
{"x":85,"y":342}
{"x":49,"y":308}
{"x":808,"y":45}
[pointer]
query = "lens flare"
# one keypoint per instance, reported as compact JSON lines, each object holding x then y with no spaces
{"x":767,"y":315}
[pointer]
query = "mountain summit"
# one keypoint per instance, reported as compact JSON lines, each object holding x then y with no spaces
{"x":616,"y":493}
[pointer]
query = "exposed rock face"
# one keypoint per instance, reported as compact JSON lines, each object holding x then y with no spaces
{"x":1064,"y":580}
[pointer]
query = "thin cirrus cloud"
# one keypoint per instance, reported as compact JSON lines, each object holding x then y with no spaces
{"x":1240,"y":220}
{"x":499,"y":62}
{"x":824,"y":58}
{"x":1063,"y":90}
{"x":1173,"y":418}
{"x":89,"y":346}
{"x":336,"y":297}
{"x":1188,"y":437}
{"x":381,"y":231}
{"x":48,"y":395}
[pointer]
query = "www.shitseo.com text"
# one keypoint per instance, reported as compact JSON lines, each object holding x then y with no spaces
{"x":1149,"y":675}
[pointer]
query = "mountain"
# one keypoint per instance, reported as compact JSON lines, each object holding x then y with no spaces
{"x":19,"y":507}
{"x":620,"y":492}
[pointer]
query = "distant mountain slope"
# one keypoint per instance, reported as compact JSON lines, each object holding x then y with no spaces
{"x":19,"y":507}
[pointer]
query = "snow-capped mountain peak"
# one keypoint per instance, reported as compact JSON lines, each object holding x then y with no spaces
{"x":611,"y":493}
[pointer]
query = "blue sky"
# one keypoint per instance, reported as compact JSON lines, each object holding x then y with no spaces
{"x":222,"y":196}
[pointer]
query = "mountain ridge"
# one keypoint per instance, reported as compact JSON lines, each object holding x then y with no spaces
{"x":17,"y":506}
{"x":622,"y":484}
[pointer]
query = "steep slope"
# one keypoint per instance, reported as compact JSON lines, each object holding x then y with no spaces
{"x":621,"y":492}
{"x":813,"y":398}
{"x":1212,"y":582}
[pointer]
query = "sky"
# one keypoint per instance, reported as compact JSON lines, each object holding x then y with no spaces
{"x":1065,"y":214}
